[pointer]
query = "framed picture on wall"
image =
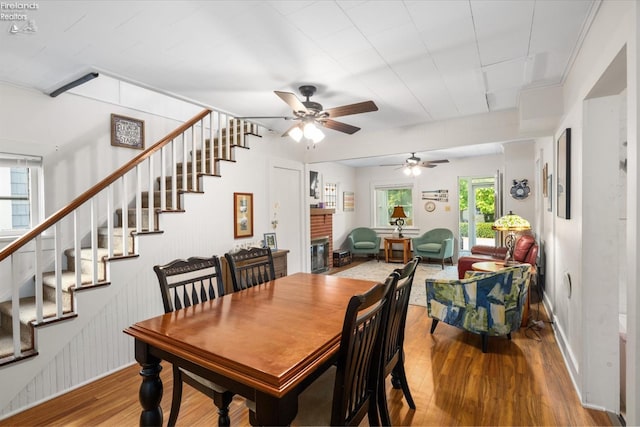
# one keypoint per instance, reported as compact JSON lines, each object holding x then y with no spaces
{"x":127,"y":132}
{"x":242,"y":215}
{"x":348,"y":201}
{"x":563,"y":175}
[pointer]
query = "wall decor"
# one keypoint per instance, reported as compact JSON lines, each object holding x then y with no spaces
{"x":242,"y":215}
{"x":429,"y":206}
{"x":270,"y":241}
{"x":550,"y":193}
{"x":437,"y":195}
{"x":314,"y":185}
{"x":563,"y":175}
{"x":520,"y":189}
{"x":545,"y":175}
{"x":127,"y":132}
{"x":348,"y":201}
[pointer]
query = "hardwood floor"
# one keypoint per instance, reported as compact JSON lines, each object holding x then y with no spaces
{"x":518,"y":382}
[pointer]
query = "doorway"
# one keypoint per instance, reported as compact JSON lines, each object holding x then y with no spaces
{"x":477,"y":197}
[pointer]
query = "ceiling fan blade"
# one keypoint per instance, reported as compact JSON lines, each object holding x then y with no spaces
{"x":339,"y":126}
{"x":292,"y":100}
{"x":345,"y":110}
{"x":437,"y":161}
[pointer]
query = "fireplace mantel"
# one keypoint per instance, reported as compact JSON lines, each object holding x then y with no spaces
{"x":322,"y":211}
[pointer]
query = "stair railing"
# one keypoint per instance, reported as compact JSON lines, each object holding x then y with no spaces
{"x":209,"y":132}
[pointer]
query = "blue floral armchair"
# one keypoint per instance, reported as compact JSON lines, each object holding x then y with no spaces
{"x":488,"y":304}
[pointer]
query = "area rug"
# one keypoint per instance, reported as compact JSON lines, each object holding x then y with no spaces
{"x":378,"y":271}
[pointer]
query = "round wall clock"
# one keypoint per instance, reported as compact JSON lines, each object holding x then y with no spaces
{"x":429,"y":206}
{"x":520,"y":189}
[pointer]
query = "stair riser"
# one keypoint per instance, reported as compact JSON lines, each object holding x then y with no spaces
{"x":25,"y":329}
{"x":156,"y":200}
{"x":190,"y":186}
{"x":49,"y":294}
{"x":207,"y":167}
{"x":117,"y":243}
{"x":86,"y":266}
{"x":132,"y":219}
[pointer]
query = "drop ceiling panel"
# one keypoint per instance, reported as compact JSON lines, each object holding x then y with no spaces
{"x":502,"y":29}
{"x":375,"y":17}
{"x":505,"y":75}
{"x":320,"y":19}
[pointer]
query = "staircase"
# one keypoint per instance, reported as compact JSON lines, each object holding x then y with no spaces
{"x":87,"y":265}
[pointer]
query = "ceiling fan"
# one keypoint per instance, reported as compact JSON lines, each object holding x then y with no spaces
{"x":310,"y":115}
{"x":412,"y":164}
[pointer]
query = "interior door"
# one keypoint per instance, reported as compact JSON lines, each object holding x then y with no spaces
{"x":286,"y":208}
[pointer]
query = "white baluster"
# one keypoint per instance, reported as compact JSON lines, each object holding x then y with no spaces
{"x":94,"y":234}
{"x":163,"y":184}
{"x":57,"y":255}
{"x":38,"y":273}
{"x":138,"y":192}
{"x":125,"y":218}
{"x":174,"y":175}
{"x":15,"y":309}
{"x":150,"y":199}
{"x":77,"y":248}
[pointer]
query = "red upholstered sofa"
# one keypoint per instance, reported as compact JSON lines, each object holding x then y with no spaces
{"x":526,"y":251}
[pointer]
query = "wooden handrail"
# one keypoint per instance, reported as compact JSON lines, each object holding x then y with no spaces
{"x":78,"y":201}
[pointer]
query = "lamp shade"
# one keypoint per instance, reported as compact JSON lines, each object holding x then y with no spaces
{"x":511,"y":222}
{"x":398,"y":212}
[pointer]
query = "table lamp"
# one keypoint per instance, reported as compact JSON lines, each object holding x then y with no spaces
{"x":398,"y":213}
{"x":511,"y":223}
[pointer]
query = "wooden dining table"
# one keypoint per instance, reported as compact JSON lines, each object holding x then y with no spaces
{"x":265,"y":343}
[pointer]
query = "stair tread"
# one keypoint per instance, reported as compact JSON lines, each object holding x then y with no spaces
{"x":28,"y":309}
{"x":68,"y":279}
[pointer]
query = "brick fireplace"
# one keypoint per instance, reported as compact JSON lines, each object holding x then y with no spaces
{"x":321,"y":228}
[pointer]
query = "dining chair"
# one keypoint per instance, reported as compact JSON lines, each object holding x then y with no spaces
{"x":184,"y":283}
{"x":250,"y":267}
{"x":354,"y":376}
{"x":393,"y":344}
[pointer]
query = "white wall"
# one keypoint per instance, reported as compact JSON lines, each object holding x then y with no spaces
{"x":585,"y":311}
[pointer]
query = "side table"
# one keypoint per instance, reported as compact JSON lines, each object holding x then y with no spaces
{"x":388,"y":249}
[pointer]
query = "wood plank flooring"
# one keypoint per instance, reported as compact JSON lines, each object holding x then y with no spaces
{"x":518,"y":382}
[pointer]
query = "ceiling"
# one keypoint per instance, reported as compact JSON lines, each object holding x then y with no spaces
{"x":419,"y":61}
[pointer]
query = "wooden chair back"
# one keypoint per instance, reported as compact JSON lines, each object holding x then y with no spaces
{"x":358,"y":363}
{"x":184,"y":283}
{"x":250,"y":267}
{"x":399,"y":304}
{"x":393,"y":342}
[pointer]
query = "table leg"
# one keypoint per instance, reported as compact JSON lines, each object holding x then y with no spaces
{"x":150,"y":393}
{"x":271,"y":411}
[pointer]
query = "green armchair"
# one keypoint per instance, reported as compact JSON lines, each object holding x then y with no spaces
{"x":434,"y":244}
{"x":363,"y":241}
{"x":488,"y":304}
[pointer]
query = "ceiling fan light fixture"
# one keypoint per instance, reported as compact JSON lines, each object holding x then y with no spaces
{"x":415,"y":170}
{"x":296,"y":134}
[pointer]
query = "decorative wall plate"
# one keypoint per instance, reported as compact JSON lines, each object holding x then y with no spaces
{"x":429,"y":206}
{"x":520,"y":189}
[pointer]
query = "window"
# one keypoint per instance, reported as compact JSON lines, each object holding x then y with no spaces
{"x":20,"y":178}
{"x":388,"y":197}
{"x":330,"y":195}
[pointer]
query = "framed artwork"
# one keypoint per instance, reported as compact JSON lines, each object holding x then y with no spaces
{"x":127,"y":132}
{"x":314,"y":185}
{"x":545,"y":175}
{"x":348,"y":201}
{"x":270,"y":241}
{"x":550,"y":193}
{"x":242,"y":215}
{"x":563,"y":175}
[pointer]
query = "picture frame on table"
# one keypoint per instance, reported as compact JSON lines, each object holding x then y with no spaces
{"x":242,"y":215}
{"x":270,"y":241}
{"x":127,"y":132}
